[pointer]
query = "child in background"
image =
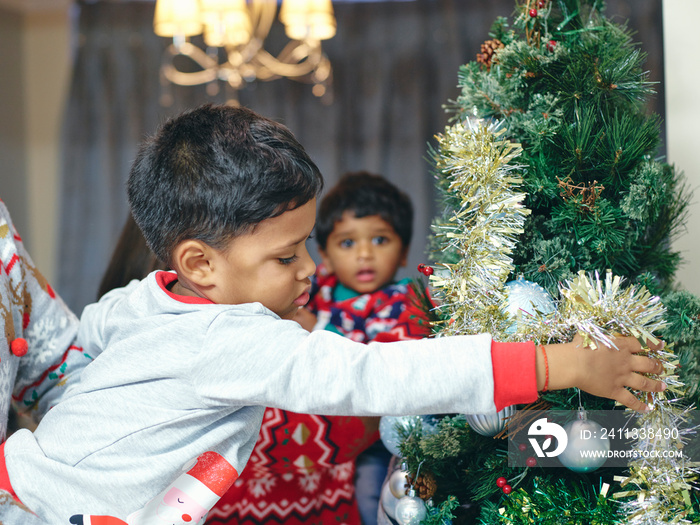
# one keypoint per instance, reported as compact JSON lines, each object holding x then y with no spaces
{"x":363,"y":229}
{"x":186,"y":361}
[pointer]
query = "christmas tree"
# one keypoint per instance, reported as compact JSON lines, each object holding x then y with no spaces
{"x":552,"y":193}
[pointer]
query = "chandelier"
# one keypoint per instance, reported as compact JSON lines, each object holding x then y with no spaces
{"x":234,"y":33}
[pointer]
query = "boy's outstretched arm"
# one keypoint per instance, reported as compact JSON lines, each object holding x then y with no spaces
{"x":604,"y":372}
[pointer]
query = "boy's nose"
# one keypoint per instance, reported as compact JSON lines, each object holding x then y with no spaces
{"x":308,"y":266}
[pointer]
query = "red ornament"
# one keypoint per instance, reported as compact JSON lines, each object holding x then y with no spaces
{"x":531,"y":462}
{"x":522,"y":447}
{"x":425,"y":269}
{"x":551,"y":45}
{"x":533,"y":13}
{"x":19,"y":347}
{"x":507,"y":489}
{"x":541,"y":3}
{"x":501,"y":482}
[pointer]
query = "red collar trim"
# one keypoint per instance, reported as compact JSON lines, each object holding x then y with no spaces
{"x":164,"y":279}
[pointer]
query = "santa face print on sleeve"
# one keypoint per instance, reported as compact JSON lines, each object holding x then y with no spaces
{"x":186,"y":501}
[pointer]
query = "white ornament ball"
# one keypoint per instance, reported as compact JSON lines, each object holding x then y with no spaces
{"x":490,"y":424}
{"x":397,"y":483}
{"x":527,"y":298}
{"x":388,"y":501}
{"x":410,"y":510}
{"x":584,"y":435}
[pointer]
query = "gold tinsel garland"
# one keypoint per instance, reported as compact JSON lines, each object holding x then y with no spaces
{"x":478,"y":164}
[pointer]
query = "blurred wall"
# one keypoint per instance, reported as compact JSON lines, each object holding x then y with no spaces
{"x":34,"y":73}
{"x":35,"y":70}
{"x":681,"y":77}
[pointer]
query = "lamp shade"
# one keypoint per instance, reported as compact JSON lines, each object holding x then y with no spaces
{"x":308,"y":19}
{"x":226,"y":22}
{"x":177,"y":18}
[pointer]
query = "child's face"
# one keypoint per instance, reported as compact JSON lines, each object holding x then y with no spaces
{"x":364,"y":253}
{"x":270,"y":265}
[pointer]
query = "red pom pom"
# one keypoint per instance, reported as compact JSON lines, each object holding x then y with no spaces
{"x":507,"y":489}
{"x":19,"y":347}
{"x":501,"y":482}
{"x":533,"y":13}
{"x":425,"y":269}
{"x":531,"y":462}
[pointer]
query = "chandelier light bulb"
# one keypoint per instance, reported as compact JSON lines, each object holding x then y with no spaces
{"x":177,"y":18}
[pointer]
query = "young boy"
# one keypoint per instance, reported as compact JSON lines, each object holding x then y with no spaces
{"x":363,"y":229}
{"x":186,"y":361}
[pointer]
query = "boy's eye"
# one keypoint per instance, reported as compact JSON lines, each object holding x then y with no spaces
{"x":287,"y":260}
{"x":379,"y":239}
{"x":346,"y":243}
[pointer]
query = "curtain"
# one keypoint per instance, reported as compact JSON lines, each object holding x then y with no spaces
{"x":395,"y":66}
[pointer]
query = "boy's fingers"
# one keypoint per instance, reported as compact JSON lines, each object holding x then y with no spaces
{"x":632,"y":344}
{"x":645,"y":384}
{"x":626,"y":398}
{"x":646,"y":365}
{"x":656,"y":346}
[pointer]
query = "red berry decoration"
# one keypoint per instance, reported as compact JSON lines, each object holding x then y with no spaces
{"x":551,"y":45}
{"x":425,"y":269}
{"x":533,"y":13}
{"x":19,"y":347}
{"x":507,"y":489}
{"x":522,"y":447}
{"x":531,"y":462}
{"x":501,"y":482}
{"x":541,"y":3}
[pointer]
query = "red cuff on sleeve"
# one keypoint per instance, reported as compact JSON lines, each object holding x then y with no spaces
{"x":514,"y":373}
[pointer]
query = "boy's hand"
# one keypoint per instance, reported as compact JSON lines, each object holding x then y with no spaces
{"x":306,"y":319}
{"x":605,"y":371}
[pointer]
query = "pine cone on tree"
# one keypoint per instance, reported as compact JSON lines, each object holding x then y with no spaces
{"x":488,"y":48}
{"x":425,"y":485}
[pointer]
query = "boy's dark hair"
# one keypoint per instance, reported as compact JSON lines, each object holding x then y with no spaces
{"x":365,"y":194}
{"x":214,"y":173}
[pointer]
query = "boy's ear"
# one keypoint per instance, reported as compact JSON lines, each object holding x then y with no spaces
{"x":193,"y":260}
{"x":326,"y":260}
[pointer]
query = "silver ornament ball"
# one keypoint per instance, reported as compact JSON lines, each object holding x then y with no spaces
{"x":587,"y":445}
{"x":490,"y":424}
{"x":410,"y":510}
{"x":397,"y":483}
{"x":527,"y":298}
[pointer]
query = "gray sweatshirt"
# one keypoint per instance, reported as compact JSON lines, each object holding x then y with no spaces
{"x":174,"y":377}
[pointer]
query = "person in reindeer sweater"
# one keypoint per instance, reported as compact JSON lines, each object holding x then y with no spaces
{"x":38,"y":356}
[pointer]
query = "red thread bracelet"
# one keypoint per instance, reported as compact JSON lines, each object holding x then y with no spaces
{"x":546,"y":369}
